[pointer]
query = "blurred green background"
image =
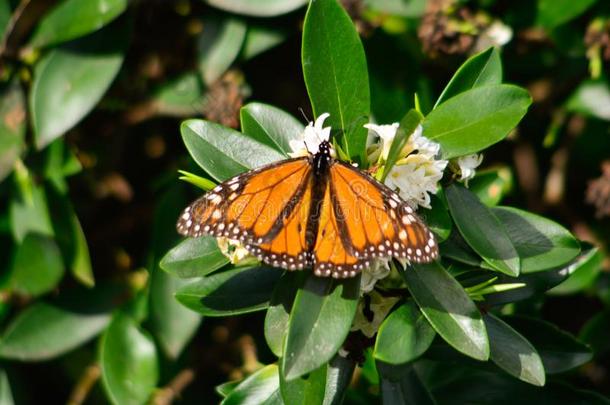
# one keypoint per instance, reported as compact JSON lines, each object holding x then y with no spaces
{"x":92,"y":95}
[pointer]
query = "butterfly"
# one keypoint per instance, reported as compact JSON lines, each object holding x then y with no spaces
{"x":312,"y":211}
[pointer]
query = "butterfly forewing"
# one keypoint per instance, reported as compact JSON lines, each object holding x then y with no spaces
{"x":249,"y":207}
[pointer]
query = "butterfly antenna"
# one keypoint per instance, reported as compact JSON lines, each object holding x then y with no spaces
{"x":304,"y":114}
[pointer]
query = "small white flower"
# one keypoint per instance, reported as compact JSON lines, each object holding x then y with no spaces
{"x":370,"y":275}
{"x":386,"y":133}
{"x":379,"y":307}
{"x":311,"y":138}
{"x":497,"y":34}
{"x":467,"y":165}
{"x":416,"y":174}
{"x":234,"y":250}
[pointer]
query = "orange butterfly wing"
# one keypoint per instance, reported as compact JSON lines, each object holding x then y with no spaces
{"x":363,"y":219}
{"x":251,"y":207}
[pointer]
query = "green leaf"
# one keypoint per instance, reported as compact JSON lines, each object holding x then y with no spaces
{"x":258,"y":8}
{"x":194,"y":257}
{"x":335,"y":72}
{"x":171,"y":323}
{"x":128,"y":360}
{"x":448,"y":309}
{"x":70,"y":237}
{"x":231,"y":292}
{"x":541,"y":243}
{"x":304,"y":390}
{"x":476,"y":118}
{"x":491,"y":185}
{"x":408,"y":389}
{"x":218,"y":46}
{"x":513,"y":353}
{"x":552,"y":13}
{"x":276,"y":319}
{"x":412,"y":9}
{"x":6,"y":396}
{"x":260,"y":38}
{"x":596,"y":333}
{"x":71,"y":19}
{"x":46,"y":330}
{"x":181,"y":96}
{"x":262,"y":387}
{"x":223,"y":152}
{"x":437,"y":218}
{"x":403,"y":336}
{"x":592,"y":98}
{"x":582,"y":273}
{"x":226,"y":388}
{"x":71,"y":79}
{"x":321,"y":316}
{"x":482,"y":69}
{"x":37,"y":266}
{"x":408,"y":125}
{"x":270,"y":125}
{"x":338,"y":377}
{"x":486,"y":235}
{"x":30,"y":215}
{"x":12,"y":126}
{"x":559,"y":350}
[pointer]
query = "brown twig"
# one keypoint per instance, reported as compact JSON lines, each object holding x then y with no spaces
{"x":85,"y":383}
{"x":171,"y":391}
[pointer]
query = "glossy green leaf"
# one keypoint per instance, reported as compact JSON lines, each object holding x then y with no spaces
{"x":320,"y":320}
{"x":541,"y":243}
{"x":482,"y":69}
{"x":437,"y":218}
{"x":12,"y":126}
{"x":47,"y":330}
{"x":408,"y":389}
{"x":338,"y":377}
{"x":412,"y":9}
{"x":170,"y":322}
{"x":335,"y":72}
{"x":512,"y":352}
{"x":70,"y":237}
{"x":37,"y":266}
{"x":261,"y":38}
{"x":194,"y":257}
{"x":60,"y":163}
{"x":226,"y":388}
{"x":592,"y":98}
{"x":408,"y":124}
{"x":270,"y":125}
{"x":476,"y":119}
{"x":304,"y":390}
{"x":231,"y":292}
{"x":559,"y":350}
{"x":128,"y":360}
{"x":71,"y":79}
{"x":403,"y":336}
{"x":218,"y":46}
{"x":258,"y":8}
{"x":486,"y":235}
{"x":596,"y":333}
{"x":30,"y":215}
{"x":223,"y":152}
{"x":456,"y":248}
{"x":552,"y":13}
{"x":260,"y":388}
{"x":582,"y":273}
{"x":491,"y":185}
{"x":278,"y":314}
{"x":6,"y":396}
{"x":181,"y":96}
{"x":448,"y":309}
{"x":71,"y":19}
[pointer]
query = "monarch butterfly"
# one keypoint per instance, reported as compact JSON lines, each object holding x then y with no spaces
{"x":312,"y":211}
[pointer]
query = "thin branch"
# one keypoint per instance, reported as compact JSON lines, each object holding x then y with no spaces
{"x":171,"y":391}
{"x":85,"y":383}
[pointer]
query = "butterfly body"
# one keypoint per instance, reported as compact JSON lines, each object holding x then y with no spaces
{"x":314,"y":211}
